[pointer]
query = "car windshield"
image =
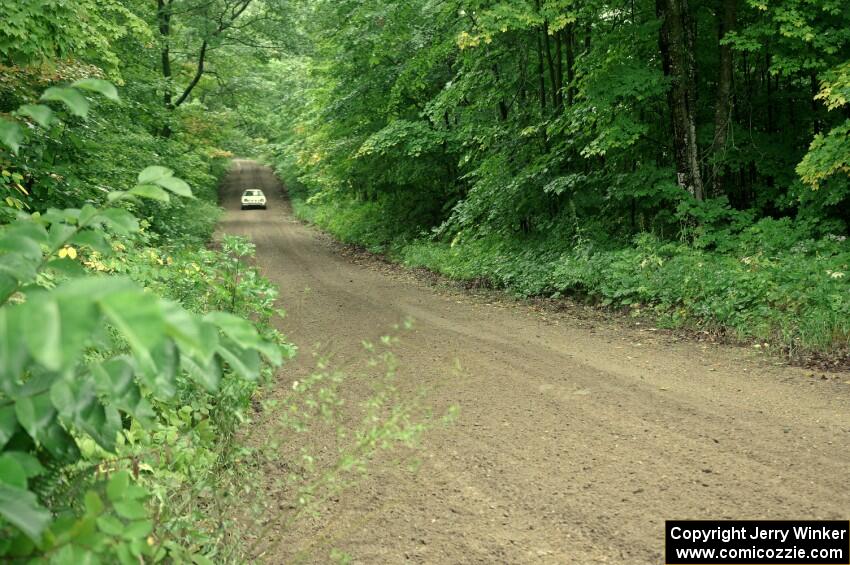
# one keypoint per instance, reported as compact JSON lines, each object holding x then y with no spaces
{"x":252,"y":193}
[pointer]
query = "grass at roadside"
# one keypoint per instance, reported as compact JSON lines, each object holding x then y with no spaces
{"x":771,"y":284}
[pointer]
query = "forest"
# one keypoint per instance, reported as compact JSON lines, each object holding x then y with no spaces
{"x":683,"y":158}
{"x":687,"y":161}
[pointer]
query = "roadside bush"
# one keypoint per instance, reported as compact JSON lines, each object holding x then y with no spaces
{"x":768,"y":281}
{"x":118,"y":403}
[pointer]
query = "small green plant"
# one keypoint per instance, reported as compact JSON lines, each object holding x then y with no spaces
{"x":235,"y":249}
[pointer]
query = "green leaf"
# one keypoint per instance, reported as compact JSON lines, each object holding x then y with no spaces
{"x":94,"y":505}
{"x":20,"y":507}
{"x":103,"y":424}
{"x":245,"y":335}
{"x":21,"y":269}
{"x":75,"y":555}
{"x":43,"y":331}
{"x":208,"y":375}
{"x":78,"y":405}
{"x":8,"y":424}
{"x":67,"y":266}
{"x":87,"y":212}
{"x":138,"y":316}
{"x":21,"y":244}
{"x":59,"y":443}
{"x":150,"y":191}
{"x":76,"y":102}
{"x":100,"y":86}
{"x":95,"y":288}
{"x":136,"y":492}
{"x":115,"y":379}
{"x":11,"y":135}
{"x":72,"y":398}
{"x":30,"y":465}
{"x":120,"y":220}
{"x":13,"y":353}
{"x":161,"y":374}
{"x":244,"y":362}
{"x":58,"y":234}
{"x":35,"y":414}
{"x":92,"y":239}
{"x":138,"y":529}
{"x":154,"y":174}
{"x":194,"y":336}
{"x":130,"y":509}
{"x":238,"y":329}
{"x":58,"y":327}
{"x":26,"y":227}
{"x":116,"y":488}
{"x":175,"y":185}
{"x":12,"y":473}
{"x":111,"y":525}
{"x":38,"y":382}
{"x":42,"y":114}
{"x":8,"y":284}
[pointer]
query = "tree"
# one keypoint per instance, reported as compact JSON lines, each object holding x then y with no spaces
{"x":677,"y":54}
{"x":208,"y":24}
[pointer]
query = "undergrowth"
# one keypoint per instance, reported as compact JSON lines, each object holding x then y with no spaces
{"x":771,"y":281}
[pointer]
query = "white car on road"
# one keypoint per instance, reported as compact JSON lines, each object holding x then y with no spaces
{"x":253,"y":198}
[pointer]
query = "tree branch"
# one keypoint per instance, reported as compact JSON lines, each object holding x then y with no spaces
{"x":198,"y":74}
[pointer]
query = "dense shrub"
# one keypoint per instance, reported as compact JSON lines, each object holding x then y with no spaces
{"x":771,"y":281}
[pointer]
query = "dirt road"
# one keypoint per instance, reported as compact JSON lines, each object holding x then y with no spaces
{"x":576,"y":439}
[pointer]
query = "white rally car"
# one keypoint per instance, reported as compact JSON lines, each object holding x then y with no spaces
{"x":253,"y":198}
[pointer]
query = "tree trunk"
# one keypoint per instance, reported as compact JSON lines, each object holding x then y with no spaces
{"x":676,"y":45}
{"x":771,"y":112}
{"x":163,"y":14}
{"x":559,"y":73}
{"x":723,"y":107}
{"x":541,"y":75}
{"x":571,"y":63}
{"x":813,"y":82}
{"x":547,"y":49}
{"x":550,"y":62}
{"x":503,"y":107}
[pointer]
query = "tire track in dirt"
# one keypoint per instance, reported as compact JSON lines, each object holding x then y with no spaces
{"x":573,"y":446}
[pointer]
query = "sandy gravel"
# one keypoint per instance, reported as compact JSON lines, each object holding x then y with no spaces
{"x":576,"y":438}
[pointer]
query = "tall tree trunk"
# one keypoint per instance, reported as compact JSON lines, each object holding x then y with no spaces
{"x":541,"y":75}
{"x":503,"y":107}
{"x":813,"y":81}
{"x":559,"y":72}
{"x":549,"y":59}
{"x":676,"y":45}
{"x":163,"y":14}
{"x":771,"y":112}
{"x":571,"y":63}
{"x":723,"y":107}
{"x":550,"y":62}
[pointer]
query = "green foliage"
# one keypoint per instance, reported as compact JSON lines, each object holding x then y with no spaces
{"x":55,"y":387}
{"x":769,"y":281}
{"x":492,"y":140}
{"x":40,"y":30}
{"x":101,"y":372}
